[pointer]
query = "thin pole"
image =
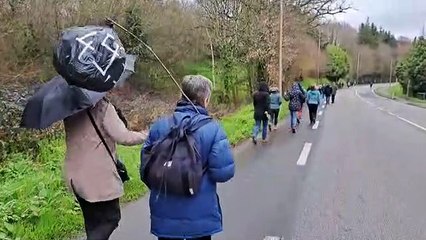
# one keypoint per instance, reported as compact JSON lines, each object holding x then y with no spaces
{"x":357,"y":68}
{"x":212,"y":52}
{"x":318,"y":56}
{"x":390,"y":73}
{"x":408,"y":87}
{"x":280,"y":84}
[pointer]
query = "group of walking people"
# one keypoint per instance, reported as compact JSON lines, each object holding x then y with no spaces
{"x":267,"y":103}
{"x":193,"y":210}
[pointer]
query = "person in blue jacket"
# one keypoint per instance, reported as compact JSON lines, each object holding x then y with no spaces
{"x":314,"y":100}
{"x":200,"y":216}
{"x":275,"y":104}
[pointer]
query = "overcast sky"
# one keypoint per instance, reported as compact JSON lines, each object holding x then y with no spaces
{"x":402,"y":17}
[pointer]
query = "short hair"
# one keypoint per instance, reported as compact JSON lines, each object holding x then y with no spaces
{"x":197,"y":88}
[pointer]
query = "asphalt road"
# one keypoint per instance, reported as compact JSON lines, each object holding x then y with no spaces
{"x":360,"y":175}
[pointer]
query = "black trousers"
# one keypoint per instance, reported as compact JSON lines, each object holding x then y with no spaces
{"x":201,"y":238}
{"x":333,"y":97}
{"x":313,"y":108}
{"x":274,"y":116}
{"x":100,"y":218}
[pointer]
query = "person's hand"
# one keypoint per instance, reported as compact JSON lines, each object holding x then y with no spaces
{"x":145,"y":133}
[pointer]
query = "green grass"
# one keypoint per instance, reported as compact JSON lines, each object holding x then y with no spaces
{"x":34,"y":202}
{"x":396,"y":90}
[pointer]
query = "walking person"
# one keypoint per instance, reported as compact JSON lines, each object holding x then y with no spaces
{"x":299,"y":81}
{"x":275,"y":105}
{"x":296,"y":99}
{"x":333,"y":92}
{"x":90,"y":169}
{"x":195,"y":215}
{"x":261,"y":104}
{"x":327,"y":92}
{"x":314,"y":100}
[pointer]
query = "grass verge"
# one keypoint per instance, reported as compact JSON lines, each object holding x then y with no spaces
{"x":395,"y":92}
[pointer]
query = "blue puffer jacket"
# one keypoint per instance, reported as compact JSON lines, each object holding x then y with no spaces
{"x":276,"y":100}
{"x":174,"y":216}
{"x":314,"y":97}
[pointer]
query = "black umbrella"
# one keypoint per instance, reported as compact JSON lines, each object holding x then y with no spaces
{"x":90,"y":57}
{"x":57,"y":100}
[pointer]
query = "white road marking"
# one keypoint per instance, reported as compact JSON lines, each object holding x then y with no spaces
{"x":273,"y":238}
{"x":391,"y":113}
{"x":411,"y":123}
{"x":303,"y":158}
{"x":316,"y":125}
{"x":320,"y":113}
{"x":357,"y":94}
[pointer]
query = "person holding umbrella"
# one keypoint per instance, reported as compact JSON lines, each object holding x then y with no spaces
{"x":89,"y":171}
{"x":93,"y":128}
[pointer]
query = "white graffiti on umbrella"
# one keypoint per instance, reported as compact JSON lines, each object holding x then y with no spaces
{"x":88,"y":45}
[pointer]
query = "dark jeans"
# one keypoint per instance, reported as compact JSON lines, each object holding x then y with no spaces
{"x":327,"y":99}
{"x":333,"y":97}
{"x":274,"y":116}
{"x":313,"y":108}
{"x":257,"y":127}
{"x":100,"y":218}
{"x":201,"y":238}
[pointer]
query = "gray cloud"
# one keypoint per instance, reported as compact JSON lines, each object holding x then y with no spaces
{"x":402,"y":17}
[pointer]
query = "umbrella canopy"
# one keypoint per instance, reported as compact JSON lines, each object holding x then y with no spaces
{"x":90,"y":57}
{"x":55,"y":101}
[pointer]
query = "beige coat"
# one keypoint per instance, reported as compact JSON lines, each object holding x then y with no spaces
{"x":89,"y":170}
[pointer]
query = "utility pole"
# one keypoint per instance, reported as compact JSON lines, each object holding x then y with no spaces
{"x":318,"y":56}
{"x":408,"y":87}
{"x":390,"y":72}
{"x":357,"y":68}
{"x":280,"y":84}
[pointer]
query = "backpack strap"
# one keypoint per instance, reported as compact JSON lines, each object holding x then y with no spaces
{"x":194,"y":127}
{"x":98,"y":131}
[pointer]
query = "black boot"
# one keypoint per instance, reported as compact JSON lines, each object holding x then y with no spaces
{"x":254,"y":140}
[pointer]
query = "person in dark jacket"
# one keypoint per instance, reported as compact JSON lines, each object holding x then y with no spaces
{"x":197,"y":217}
{"x":296,"y":98}
{"x":327,"y":92}
{"x":333,"y":92}
{"x":261,"y":103}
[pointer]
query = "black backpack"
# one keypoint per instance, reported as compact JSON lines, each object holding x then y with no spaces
{"x":173,"y":164}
